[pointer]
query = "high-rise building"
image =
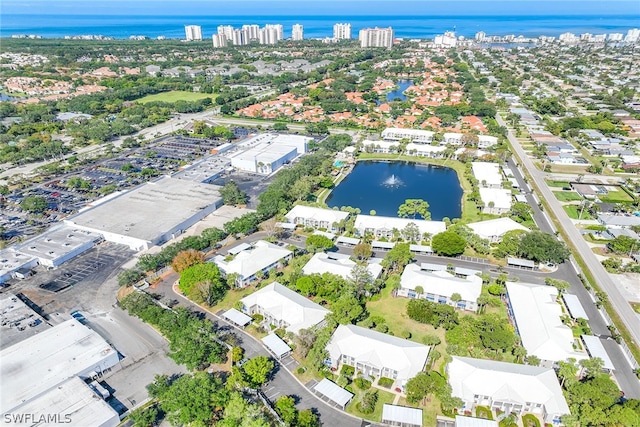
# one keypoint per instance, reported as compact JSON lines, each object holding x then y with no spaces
{"x":219,"y":40}
{"x":226,"y":30}
{"x":342,"y":31}
{"x":271,"y":34}
{"x":446,"y":40}
{"x":376,"y":37}
{"x":616,"y":37}
{"x":251,"y":32}
{"x":632,"y":36}
{"x":480,"y":36}
{"x":238,"y":38}
{"x":193,"y":32}
{"x":297,"y":32}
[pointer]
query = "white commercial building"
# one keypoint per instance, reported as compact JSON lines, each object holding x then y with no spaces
{"x":297,"y":32}
{"x":494,"y":229}
{"x":267,"y":152}
{"x":446,"y":40}
{"x":376,"y":354}
{"x":487,"y":174}
{"x":497,"y":201}
{"x":415,"y":135}
{"x":72,"y":402}
{"x":440,"y":286}
{"x":316,"y":217}
{"x":376,"y":37}
{"x":536,"y":315}
{"x":193,"y":32}
{"x":150,"y":214}
{"x":59,"y":244}
{"x":12,"y":261}
{"x":339,"y":264}
{"x":342,"y":31}
{"x":43,"y":361}
{"x":507,"y":387}
{"x":262,"y":256}
{"x":384,"y":226}
{"x":486,"y":141}
{"x":284,"y":308}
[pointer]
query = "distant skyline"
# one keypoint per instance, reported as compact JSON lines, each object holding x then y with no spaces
{"x":326,"y":7}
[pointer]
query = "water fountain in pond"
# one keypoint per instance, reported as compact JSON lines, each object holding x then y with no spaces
{"x":393,"y":182}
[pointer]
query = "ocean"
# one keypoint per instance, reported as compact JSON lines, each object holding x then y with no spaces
{"x":55,"y":26}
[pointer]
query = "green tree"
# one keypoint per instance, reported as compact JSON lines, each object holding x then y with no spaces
{"x":144,"y":417}
{"x":307,"y":418}
{"x":362,"y":251}
{"x":347,"y":309}
{"x":448,"y":243}
{"x":286,"y":407}
{"x":258,"y":370}
{"x":413,"y":208}
{"x":397,"y":258}
{"x":34,"y":203}
{"x":622,"y":245}
{"x":194,"y":399}
{"x":543,"y":247}
{"x":423,"y":384}
{"x":318,"y":242}
{"x":206,"y":274}
{"x":368,"y":402}
{"x":232,"y":195}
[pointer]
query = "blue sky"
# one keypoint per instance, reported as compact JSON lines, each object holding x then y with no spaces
{"x":325,"y":7}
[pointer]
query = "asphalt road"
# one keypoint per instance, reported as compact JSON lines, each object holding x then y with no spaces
{"x":623,"y":371}
{"x":283,"y":382}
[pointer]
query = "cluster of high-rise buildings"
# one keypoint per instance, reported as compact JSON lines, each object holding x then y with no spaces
{"x":227,"y":35}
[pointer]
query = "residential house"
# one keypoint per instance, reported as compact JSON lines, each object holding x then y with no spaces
{"x":536,"y":315}
{"x":507,"y":387}
{"x":316,"y":217}
{"x":496,"y":201}
{"x":494,"y":229}
{"x":251,"y":259}
{"x":284,"y":308}
{"x":376,"y":354}
{"x":385,"y":226}
{"x":440,"y":287}
{"x":339,"y":264}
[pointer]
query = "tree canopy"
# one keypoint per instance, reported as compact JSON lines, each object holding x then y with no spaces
{"x":414,"y":208}
{"x":448,"y":243}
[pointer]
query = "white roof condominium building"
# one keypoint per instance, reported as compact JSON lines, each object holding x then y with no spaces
{"x":342,"y":31}
{"x":262,"y":256}
{"x":376,"y":354}
{"x":193,"y":32}
{"x":487,"y":174}
{"x":284,"y":308}
{"x":497,"y":201}
{"x":415,"y":135}
{"x":494,"y":229}
{"x":486,"y":141}
{"x":439,"y":286}
{"x":383,"y":226}
{"x":316,"y":217}
{"x":508,"y":387}
{"x":338,"y":264}
{"x":297,"y":32}
{"x":43,"y":361}
{"x":376,"y":37}
{"x":536,"y":316}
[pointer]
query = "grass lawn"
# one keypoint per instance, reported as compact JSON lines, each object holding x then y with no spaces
{"x":616,"y":196}
{"x":635,"y":306}
{"x":394,"y":311}
{"x":574,"y":210}
{"x":568,"y":168}
{"x":176,"y":95}
{"x":567,"y":196}
{"x":376,"y":415}
{"x":530,"y":420}
{"x":470,"y":212}
{"x":233,"y":296}
{"x":558,"y":183}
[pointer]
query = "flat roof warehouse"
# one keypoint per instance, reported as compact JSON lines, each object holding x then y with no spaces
{"x":152,"y":213}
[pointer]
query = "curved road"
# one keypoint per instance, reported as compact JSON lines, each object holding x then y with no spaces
{"x":620,"y":304}
{"x":283,"y":381}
